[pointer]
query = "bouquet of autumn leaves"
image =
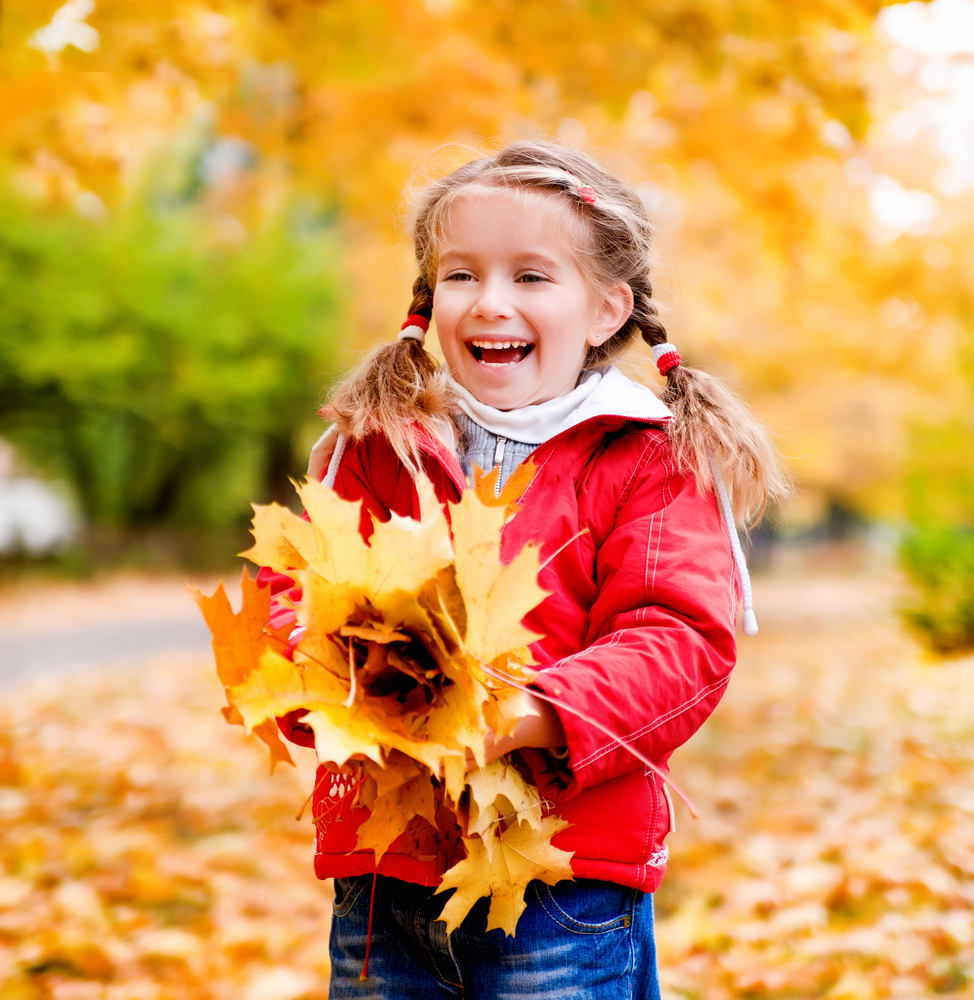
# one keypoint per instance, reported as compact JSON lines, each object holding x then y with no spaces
{"x":412,"y":649}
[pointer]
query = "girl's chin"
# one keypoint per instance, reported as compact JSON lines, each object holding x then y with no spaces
{"x":507,"y":398}
{"x":504,"y":387}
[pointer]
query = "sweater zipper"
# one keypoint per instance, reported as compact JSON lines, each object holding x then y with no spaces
{"x":498,"y":460}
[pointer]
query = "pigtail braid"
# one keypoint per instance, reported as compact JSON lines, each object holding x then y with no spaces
{"x":422,"y":304}
{"x":396,"y":389}
{"x":709,"y":419}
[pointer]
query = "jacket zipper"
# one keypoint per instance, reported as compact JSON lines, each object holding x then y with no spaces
{"x":498,"y":461}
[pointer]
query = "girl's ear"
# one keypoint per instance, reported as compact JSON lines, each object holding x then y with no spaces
{"x":616,"y":307}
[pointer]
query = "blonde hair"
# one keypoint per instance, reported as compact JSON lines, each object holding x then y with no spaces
{"x":399,"y":388}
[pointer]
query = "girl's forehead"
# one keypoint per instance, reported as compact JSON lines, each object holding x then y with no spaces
{"x":478,"y":209}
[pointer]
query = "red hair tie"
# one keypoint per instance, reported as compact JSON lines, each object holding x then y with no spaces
{"x":414,"y":328}
{"x":666,"y":357}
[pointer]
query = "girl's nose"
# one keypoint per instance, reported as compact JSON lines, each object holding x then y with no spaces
{"x":491,"y":301}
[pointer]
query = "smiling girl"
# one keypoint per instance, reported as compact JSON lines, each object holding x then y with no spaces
{"x":535,"y":263}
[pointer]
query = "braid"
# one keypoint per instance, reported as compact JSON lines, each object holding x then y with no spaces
{"x":397,"y":388}
{"x":646,"y":315}
{"x":422,"y":304}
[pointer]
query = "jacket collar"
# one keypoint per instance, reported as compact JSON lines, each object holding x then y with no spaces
{"x":618,"y":396}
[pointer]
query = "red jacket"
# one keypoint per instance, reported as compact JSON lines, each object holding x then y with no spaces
{"x":639,"y":633}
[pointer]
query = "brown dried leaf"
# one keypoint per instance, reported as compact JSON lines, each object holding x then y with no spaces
{"x":394,"y":811}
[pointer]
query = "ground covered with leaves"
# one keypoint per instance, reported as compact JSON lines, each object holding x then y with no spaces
{"x":835,"y":853}
{"x":145,"y":853}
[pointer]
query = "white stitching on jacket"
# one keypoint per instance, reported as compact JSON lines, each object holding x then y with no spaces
{"x":649,"y":548}
{"x":637,"y":466}
{"x":659,"y":546}
{"x":630,"y":737}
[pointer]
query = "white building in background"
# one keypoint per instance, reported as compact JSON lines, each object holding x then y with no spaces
{"x":35,"y":517}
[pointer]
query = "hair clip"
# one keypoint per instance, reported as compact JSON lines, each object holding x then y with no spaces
{"x":585,"y":191}
{"x":666,"y":357}
{"x":414,"y":328}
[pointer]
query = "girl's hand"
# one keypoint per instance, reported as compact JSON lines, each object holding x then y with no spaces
{"x":543,"y":730}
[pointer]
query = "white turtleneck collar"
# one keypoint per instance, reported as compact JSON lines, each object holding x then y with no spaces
{"x":601,"y":392}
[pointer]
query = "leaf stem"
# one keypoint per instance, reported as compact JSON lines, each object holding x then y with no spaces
{"x":350,"y":700}
{"x":562,"y":548}
{"x":318,"y":784}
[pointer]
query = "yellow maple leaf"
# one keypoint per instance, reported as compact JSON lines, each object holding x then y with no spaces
{"x":281,"y":539}
{"x":496,"y":596}
{"x":402,"y":552}
{"x":335,"y":526}
{"x":520,"y":855}
{"x":499,"y":794}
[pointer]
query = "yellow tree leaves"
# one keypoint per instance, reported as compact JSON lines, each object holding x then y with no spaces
{"x":395,"y":664}
{"x":326,"y":86}
{"x":721,"y":112}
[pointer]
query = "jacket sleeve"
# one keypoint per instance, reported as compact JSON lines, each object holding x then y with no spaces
{"x":371,"y":472}
{"x":661,"y":641}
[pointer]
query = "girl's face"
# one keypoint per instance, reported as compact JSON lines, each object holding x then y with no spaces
{"x":514,"y":313}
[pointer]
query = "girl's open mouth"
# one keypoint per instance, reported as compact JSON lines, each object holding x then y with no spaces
{"x":503,"y":352}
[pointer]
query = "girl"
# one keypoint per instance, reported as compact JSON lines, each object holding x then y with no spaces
{"x":535,"y":263}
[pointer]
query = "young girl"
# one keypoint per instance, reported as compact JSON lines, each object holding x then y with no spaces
{"x":535,"y":264}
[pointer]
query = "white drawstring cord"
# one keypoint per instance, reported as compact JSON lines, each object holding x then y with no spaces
{"x":750,"y":622}
{"x":336,"y":457}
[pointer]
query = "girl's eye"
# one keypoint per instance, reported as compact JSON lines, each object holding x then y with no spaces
{"x":530,"y":278}
{"x":459,"y":276}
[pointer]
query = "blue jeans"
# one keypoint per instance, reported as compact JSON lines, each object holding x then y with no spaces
{"x":584,"y":940}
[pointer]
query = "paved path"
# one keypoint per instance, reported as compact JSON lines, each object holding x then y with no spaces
{"x":122,"y":622}
{"x":114,"y":624}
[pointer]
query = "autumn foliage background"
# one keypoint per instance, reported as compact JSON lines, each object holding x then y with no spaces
{"x":200,"y":228}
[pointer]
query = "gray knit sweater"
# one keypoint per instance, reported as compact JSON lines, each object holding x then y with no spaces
{"x":485,"y":450}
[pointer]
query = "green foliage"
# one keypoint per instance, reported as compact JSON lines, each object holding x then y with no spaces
{"x":939,"y":473}
{"x":939,"y":561}
{"x":163,"y":377}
